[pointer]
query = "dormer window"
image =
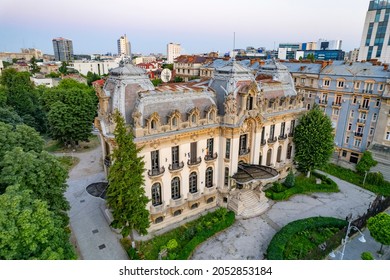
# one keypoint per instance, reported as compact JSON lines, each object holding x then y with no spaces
{"x":249,"y":103}
{"x":153,"y":125}
{"x":193,"y":119}
{"x":174,"y":121}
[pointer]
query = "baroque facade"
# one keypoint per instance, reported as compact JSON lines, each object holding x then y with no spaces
{"x":205,"y":144}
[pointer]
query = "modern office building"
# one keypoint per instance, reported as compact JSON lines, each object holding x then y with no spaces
{"x":376,"y":32}
{"x":124,"y":47}
{"x":173,"y":51}
{"x":63,"y":49}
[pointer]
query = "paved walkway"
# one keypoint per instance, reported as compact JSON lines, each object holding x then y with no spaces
{"x":249,"y":239}
{"x":95,"y":239}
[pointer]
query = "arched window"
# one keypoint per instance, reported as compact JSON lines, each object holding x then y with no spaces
{"x":209,"y":177}
{"x":279,"y":154}
{"x":269,"y":155}
{"x":193,"y":182}
{"x":174,"y":121}
{"x":153,"y":124}
{"x":175,"y":188}
{"x":289,"y":151}
{"x":156,"y":194}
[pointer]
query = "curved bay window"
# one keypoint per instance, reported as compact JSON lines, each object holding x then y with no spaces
{"x":175,"y":188}
{"x":193,"y":182}
{"x":209,"y":177}
{"x":156,"y":194}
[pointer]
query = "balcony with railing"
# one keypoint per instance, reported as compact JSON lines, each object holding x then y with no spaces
{"x":263,"y":142}
{"x":361,"y":121}
{"x":244,"y":151}
{"x":210,"y":157}
{"x":193,"y":196}
{"x":364,"y":108}
{"x":157,"y":209}
{"x":272,"y":140}
{"x":358,"y":134}
{"x":291,"y":134}
{"x":323,"y":102}
{"x":336,"y":104}
{"x":194,"y":162}
{"x":156,"y":172}
{"x":176,"y":166}
{"x":282,"y":137}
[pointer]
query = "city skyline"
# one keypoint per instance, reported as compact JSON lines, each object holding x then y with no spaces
{"x":94,"y":27}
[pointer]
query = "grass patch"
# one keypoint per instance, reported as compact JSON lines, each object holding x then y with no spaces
{"x":380,"y":188}
{"x":53,"y":146}
{"x":68,"y":162}
{"x":298,"y":239}
{"x":179,"y":243}
{"x":302,"y":185}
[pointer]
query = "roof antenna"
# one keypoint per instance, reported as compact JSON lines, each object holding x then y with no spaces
{"x":234,"y":46}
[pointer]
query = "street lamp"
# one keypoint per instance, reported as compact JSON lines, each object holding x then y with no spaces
{"x":345,"y":240}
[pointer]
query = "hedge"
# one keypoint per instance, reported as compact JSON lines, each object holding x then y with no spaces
{"x":278,"y":243}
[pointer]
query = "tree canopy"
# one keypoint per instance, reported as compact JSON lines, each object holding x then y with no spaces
{"x":126,"y":195}
{"x":313,"y":140}
{"x":40,"y":172}
{"x":29,"y":230}
{"x":365,"y":163}
{"x":379,"y":227}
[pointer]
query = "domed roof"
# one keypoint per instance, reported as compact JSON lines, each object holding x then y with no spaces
{"x":126,"y":68}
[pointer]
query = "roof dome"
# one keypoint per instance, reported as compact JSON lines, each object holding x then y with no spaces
{"x":126,"y":68}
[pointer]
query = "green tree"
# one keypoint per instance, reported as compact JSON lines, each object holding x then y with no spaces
{"x":91,"y":77}
{"x":178,"y":79}
{"x":289,"y":182}
{"x":63,"y":69}
{"x":40,"y":172}
{"x":365,"y":163}
{"x":21,"y":136}
{"x":313,"y":140}
{"x":379,"y":227}
{"x":168,"y":66}
{"x":29,"y":230}
{"x":126,"y":194}
{"x":34,"y":68}
{"x":156,"y":82}
{"x":311,"y":57}
{"x":8,"y":115}
{"x":71,"y":110}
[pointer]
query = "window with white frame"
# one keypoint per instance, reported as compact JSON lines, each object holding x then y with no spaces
{"x":374,"y":117}
{"x":388,"y":136}
{"x":326,"y":82}
{"x":335,"y":112}
{"x":340,"y":84}
{"x":347,"y":140}
{"x":357,"y":142}
{"x":371,"y":131}
{"x":380,"y":87}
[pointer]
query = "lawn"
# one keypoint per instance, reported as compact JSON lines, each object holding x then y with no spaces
{"x":380,"y":188}
{"x":179,"y":243}
{"x":53,"y":146}
{"x":302,"y":185}
{"x":68,"y":162}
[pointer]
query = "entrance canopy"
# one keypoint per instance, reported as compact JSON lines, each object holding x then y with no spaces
{"x":247,"y":173}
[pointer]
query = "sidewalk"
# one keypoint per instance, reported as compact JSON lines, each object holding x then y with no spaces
{"x":354,"y":248}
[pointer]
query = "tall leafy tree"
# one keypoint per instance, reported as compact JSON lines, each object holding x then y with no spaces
{"x":313,"y":140}
{"x":29,"y":230}
{"x":379,"y":227}
{"x":72,"y":108}
{"x":40,"y":172}
{"x":34,"y":68}
{"x":365,"y":163}
{"x":126,"y":195}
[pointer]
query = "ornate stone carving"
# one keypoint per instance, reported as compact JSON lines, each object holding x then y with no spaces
{"x":230,"y":105}
{"x":137,"y":118}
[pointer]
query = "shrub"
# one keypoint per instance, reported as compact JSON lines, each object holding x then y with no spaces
{"x":366,"y":256}
{"x":276,"y":248}
{"x":375,"y":178}
{"x":290,"y":180}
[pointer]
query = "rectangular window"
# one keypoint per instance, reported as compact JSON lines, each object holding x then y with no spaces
{"x":357,"y":85}
{"x":303,"y":80}
{"x":352,"y":113}
{"x":366,"y":103}
{"x":326,"y":83}
{"x":227,"y":152}
{"x":193,"y":152}
{"x":380,"y":87}
{"x":226,"y":177}
{"x":175,"y":155}
{"x":347,"y":140}
{"x":344,"y":154}
{"x":340,"y":84}
{"x":155,"y":161}
{"x":378,"y":102}
{"x":349,"y":126}
{"x":335,"y":112}
{"x":210,"y":146}
{"x":357,"y":143}
{"x":292,"y":127}
{"x":282,"y":128}
{"x":388,"y":136}
{"x":371,"y":131}
{"x":243,"y":144}
{"x":272,"y":132}
{"x":338,"y":99}
{"x":354,"y":100}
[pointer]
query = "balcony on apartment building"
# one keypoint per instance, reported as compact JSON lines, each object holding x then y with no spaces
{"x":361,"y":121}
{"x":194,"y":161}
{"x":244,"y":151}
{"x":272,"y":140}
{"x":336,"y":104}
{"x":210,"y":157}
{"x":369,"y":91}
{"x":364,"y":108}
{"x":176,"y":166}
{"x":282,"y":137}
{"x":156,"y":172}
{"x":323,"y":102}
{"x":358,"y":134}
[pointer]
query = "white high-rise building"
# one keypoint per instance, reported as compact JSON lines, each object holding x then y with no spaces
{"x":173,"y":51}
{"x":376,"y":32}
{"x":124,"y":48}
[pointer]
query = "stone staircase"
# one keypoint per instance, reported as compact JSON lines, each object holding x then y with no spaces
{"x":247,"y":204}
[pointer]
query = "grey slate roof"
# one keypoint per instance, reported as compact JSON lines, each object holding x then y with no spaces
{"x":362,"y":69}
{"x":307,"y":68}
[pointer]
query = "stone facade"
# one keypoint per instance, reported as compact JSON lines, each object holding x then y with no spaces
{"x":201,"y":139}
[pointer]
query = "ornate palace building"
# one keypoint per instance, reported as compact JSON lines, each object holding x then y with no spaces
{"x":205,"y":143}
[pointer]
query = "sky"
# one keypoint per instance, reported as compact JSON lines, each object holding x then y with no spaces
{"x":200,"y":26}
